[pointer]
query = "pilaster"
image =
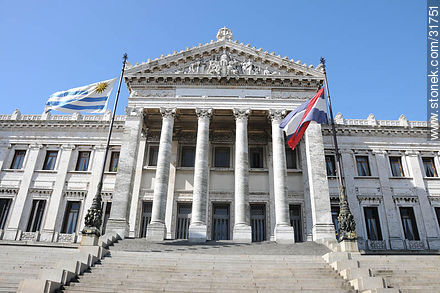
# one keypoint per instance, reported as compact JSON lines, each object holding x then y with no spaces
{"x":429,"y":218}
{"x":392,"y":216}
{"x":318,"y":184}
{"x":18,"y":219}
{"x":56,"y":199}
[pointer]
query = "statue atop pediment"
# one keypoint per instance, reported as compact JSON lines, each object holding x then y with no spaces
{"x":224,"y":34}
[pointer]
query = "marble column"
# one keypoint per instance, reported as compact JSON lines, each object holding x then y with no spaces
{"x":119,"y":214}
{"x":156,"y":230}
{"x":197,"y":228}
{"x":23,"y":201}
{"x":242,"y":230}
{"x":283,"y":229}
{"x":318,"y":184}
{"x":392,"y":215}
{"x":429,"y":218}
{"x":56,"y":199}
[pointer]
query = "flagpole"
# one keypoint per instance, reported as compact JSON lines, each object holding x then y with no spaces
{"x":93,"y":217}
{"x":347,"y":225}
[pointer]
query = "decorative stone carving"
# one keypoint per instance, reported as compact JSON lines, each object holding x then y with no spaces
{"x":204,"y":113}
{"x":75,"y":193}
{"x":376,"y":244}
{"x":241,"y":113}
{"x":153,"y":136}
{"x":225,"y":64}
{"x":29,"y":236}
{"x":372,"y":120}
{"x":186,"y":136}
{"x":276,"y":114}
{"x":168,"y":112}
{"x":224,"y":34}
{"x":218,"y":137}
{"x":134,"y":112}
{"x":66,"y":238}
{"x":257,"y":138}
{"x":339,"y":119}
{"x":414,"y":244}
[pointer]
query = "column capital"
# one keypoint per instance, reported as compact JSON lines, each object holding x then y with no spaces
{"x":204,"y":112}
{"x":168,"y":112}
{"x":412,"y":153}
{"x":276,"y":115}
{"x":134,"y":112}
{"x":241,"y":114}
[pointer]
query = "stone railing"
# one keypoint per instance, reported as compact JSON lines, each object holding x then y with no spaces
{"x":372,"y":121}
{"x":47,"y":116}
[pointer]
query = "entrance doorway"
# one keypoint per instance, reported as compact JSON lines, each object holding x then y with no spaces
{"x":258,"y":222}
{"x":146,"y":217}
{"x":220,"y":222}
{"x":295,"y":221}
{"x":183,"y":220}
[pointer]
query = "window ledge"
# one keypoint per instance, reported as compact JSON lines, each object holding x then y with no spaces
{"x":150,"y":167}
{"x":331,"y":177}
{"x":258,"y":169}
{"x":224,"y":169}
{"x":14,"y":170}
{"x":110,"y":172}
{"x":431,"y":178}
{"x":46,"y":171}
{"x":294,"y":171}
{"x":80,"y":172}
{"x":401,"y":178}
{"x":185,"y":168}
{"x":366,"y":177}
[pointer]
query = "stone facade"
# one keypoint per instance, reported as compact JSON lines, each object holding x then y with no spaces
{"x":201,"y":156}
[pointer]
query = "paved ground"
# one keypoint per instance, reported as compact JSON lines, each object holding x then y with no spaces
{"x":222,"y":247}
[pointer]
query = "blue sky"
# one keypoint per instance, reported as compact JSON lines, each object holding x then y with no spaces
{"x":375,"y":50}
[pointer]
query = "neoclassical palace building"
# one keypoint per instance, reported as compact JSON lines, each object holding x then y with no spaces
{"x":199,"y":155}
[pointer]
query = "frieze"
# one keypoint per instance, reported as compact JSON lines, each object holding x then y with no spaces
{"x":153,"y":93}
{"x":377,"y":244}
{"x":257,"y":138}
{"x":8,"y":191}
{"x":405,"y":199}
{"x":414,"y":244}
{"x":186,"y":136}
{"x":369,"y":198}
{"x":66,"y":238}
{"x":75,"y":193}
{"x":219,"y":137}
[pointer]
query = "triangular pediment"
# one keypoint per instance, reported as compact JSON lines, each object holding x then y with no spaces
{"x":223,"y":57}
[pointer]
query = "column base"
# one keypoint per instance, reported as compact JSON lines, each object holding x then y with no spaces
{"x":197,"y":233}
{"x":323,"y":231}
{"x":397,"y":244}
{"x":118,"y":226}
{"x":156,"y":232}
{"x":284,"y":234}
{"x":349,"y":246}
{"x":11,"y":234}
{"x":47,"y":236}
{"x":89,"y":240}
{"x":242,"y":233}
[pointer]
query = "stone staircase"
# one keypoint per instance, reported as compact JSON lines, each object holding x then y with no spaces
{"x":138,"y":266}
{"x":19,"y":262}
{"x":408,"y":273}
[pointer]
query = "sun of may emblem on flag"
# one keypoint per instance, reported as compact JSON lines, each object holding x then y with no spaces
{"x":100,"y":87}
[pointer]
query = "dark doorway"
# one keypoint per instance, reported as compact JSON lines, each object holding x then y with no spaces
{"x":183,"y":220}
{"x":146,"y":217}
{"x":258,"y":222}
{"x":296,"y":221}
{"x":220,"y":222}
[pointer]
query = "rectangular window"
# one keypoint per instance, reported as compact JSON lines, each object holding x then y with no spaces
{"x":363,"y":166}
{"x":49,"y":161}
{"x":152,"y":156}
{"x":83,"y":161}
{"x":188,"y":156}
{"x":409,"y":223}
{"x":17,"y":162}
{"x":222,"y":157}
{"x":437,"y":213}
{"x":396,"y":166}
{"x":5,"y":205}
{"x":71,"y":217}
{"x":291,"y":158}
{"x":372,"y":223}
{"x":36,"y":217}
{"x":428,"y":164}
{"x":256,"y":157}
{"x":114,"y":159}
{"x":335,"y":215}
{"x":106,"y":216}
{"x":330,"y":165}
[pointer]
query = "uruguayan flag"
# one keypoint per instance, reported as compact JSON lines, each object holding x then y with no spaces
{"x":91,"y":98}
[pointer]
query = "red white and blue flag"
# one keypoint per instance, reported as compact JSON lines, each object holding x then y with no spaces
{"x":297,"y":121}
